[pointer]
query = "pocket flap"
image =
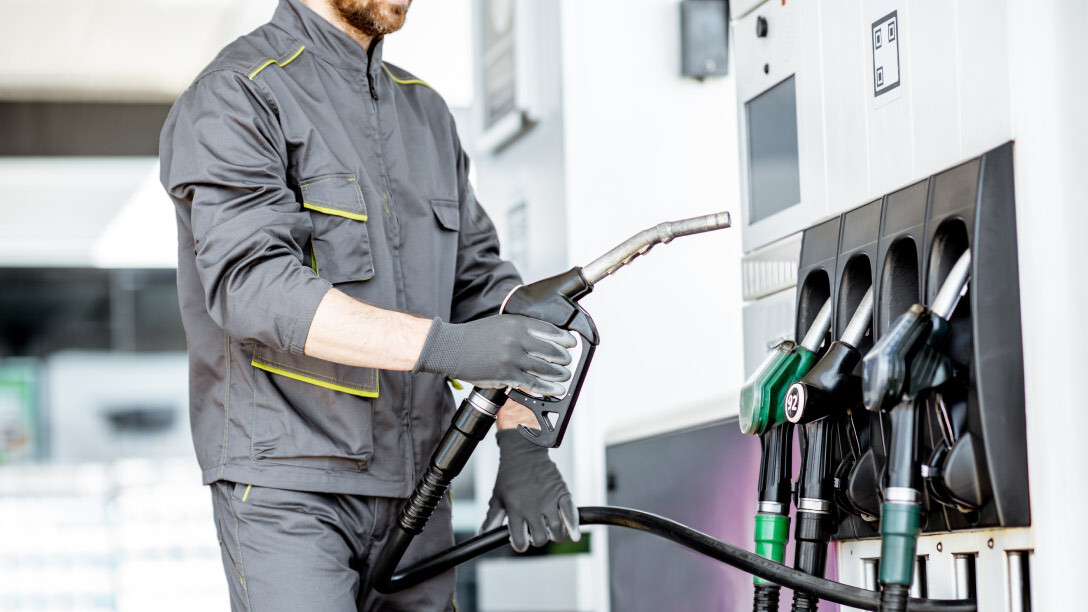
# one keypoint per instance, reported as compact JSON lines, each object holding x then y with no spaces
{"x":335,"y":194}
{"x":347,"y":379}
{"x":448,"y":214}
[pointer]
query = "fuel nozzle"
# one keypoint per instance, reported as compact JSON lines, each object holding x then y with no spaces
{"x":761,"y":396}
{"x":829,"y":387}
{"x":908,"y":359}
{"x":831,"y":384}
{"x":761,"y":413}
{"x":906,"y":362}
{"x":555,"y":300}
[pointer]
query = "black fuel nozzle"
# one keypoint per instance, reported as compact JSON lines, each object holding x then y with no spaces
{"x":825,"y":392}
{"x":906,"y":362}
{"x":831,"y":386}
{"x":555,"y":300}
{"x":908,"y":359}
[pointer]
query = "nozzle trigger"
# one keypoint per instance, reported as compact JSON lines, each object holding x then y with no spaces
{"x":553,"y":413}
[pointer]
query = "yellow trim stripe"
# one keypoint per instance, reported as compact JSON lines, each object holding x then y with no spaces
{"x":334,"y":211}
{"x":246,"y":494}
{"x":314,"y":381}
{"x":281,"y":62}
{"x":456,"y":384}
{"x":405,"y":81}
{"x":313,"y":258}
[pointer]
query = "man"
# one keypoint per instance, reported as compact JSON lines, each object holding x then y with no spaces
{"x":322,"y":196}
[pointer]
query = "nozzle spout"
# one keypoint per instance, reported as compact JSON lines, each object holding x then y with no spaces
{"x":859,"y":323}
{"x":645,"y":240}
{"x":814,"y":337}
{"x":952,"y":288}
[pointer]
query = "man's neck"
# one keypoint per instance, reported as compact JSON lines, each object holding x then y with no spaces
{"x":327,"y":12}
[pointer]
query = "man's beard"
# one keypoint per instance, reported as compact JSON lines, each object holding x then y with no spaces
{"x":374,"y":18}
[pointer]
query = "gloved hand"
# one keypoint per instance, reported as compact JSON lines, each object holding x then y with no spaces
{"x":530,"y":493}
{"x":500,"y":351}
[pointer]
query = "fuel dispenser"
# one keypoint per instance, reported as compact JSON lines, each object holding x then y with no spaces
{"x":942,"y":446}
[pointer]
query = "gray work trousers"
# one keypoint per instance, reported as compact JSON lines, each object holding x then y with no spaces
{"x":299,"y":551}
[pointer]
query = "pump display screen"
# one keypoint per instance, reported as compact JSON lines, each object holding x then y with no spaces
{"x":774,"y":180}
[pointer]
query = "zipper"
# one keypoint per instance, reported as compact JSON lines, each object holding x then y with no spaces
{"x":396,"y":244}
{"x":369,"y":74}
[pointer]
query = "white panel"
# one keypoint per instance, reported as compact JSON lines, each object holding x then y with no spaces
{"x":891,"y":149}
{"x":1047,"y":47}
{"x":934,"y":88}
{"x":740,"y":8}
{"x":982,"y":50}
{"x":766,"y":323}
{"x":810,"y":106}
{"x":791,"y":47}
{"x":771,"y":269}
{"x":845,"y":66}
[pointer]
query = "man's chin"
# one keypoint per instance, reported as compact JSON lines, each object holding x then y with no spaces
{"x":374,"y":18}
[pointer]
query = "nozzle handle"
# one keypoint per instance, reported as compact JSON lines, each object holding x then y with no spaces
{"x":645,"y":240}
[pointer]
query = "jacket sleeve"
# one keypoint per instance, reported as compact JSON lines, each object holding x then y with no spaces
{"x":224,"y":160}
{"x":483,"y":278}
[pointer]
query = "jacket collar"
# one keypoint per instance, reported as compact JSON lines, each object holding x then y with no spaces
{"x":324,"y":39}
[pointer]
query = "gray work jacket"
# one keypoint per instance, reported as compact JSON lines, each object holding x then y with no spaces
{"x":299,"y":162}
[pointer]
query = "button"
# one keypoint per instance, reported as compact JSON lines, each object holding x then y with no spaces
{"x":761,"y":27}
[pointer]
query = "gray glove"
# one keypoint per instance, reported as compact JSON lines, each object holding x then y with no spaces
{"x":530,"y":492}
{"x":498,"y":352}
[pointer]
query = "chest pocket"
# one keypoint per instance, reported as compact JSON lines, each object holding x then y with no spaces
{"x":340,"y":245}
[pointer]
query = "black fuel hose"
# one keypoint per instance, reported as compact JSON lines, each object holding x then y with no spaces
{"x":685,"y":536}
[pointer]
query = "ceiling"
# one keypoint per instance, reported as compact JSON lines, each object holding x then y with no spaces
{"x":96,"y":211}
{"x":150,"y":50}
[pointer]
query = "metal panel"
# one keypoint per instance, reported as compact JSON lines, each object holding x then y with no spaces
{"x":991,"y":548}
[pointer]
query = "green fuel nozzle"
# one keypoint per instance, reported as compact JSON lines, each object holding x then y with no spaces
{"x":902,"y":365}
{"x":761,"y":396}
{"x":761,"y":413}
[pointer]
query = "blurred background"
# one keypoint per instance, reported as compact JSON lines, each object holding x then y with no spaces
{"x":101,"y":506}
